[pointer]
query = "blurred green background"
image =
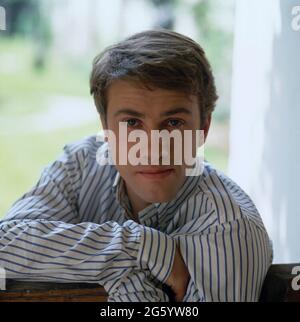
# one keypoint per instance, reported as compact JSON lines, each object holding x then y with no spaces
{"x":44,"y":77}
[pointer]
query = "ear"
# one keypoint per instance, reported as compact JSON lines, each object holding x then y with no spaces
{"x":206,"y":126}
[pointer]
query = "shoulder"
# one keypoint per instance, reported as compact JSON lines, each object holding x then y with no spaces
{"x":80,"y":158}
{"x":87,"y":146}
{"x":228,"y":199}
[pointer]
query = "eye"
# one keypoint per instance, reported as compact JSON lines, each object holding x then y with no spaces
{"x":132,"y":122}
{"x":174,"y":123}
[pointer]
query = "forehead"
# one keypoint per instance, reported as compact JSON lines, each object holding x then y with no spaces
{"x":123,"y":92}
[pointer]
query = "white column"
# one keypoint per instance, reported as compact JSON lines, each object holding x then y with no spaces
{"x":265,"y":118}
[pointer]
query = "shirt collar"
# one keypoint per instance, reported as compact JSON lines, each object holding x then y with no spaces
{"x":121,"y":195}
{"x":117,"y":180}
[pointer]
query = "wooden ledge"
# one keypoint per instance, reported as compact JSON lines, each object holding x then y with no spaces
{"x":277,"y":287}
{"x":19,"y":291}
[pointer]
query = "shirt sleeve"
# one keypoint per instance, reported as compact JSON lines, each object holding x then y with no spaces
{"x":145,"y":283}
{"x":139,"y":286}
{"x":227,"y":262}
{"x":43,"y":239}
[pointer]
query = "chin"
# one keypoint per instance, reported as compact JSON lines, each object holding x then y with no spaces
{"x":157,"y":191}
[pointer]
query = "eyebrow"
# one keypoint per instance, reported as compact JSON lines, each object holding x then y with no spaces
{"x":177,"y":110}
{"x":129,"y":111}
{"x":172,"y":111}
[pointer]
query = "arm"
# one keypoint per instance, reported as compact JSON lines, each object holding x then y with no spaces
{"x":227,"y":262}
{"x":138,"y":286}
{"x":141,"y":286}
{"x":42,"y":238}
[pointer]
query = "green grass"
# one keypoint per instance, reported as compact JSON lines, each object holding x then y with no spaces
{"x":217,"y":157}
{"x":24,"y":89}
{"x":23,"y":157}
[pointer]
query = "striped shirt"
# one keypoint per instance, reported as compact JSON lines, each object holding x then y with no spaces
{"x":75,"y":225}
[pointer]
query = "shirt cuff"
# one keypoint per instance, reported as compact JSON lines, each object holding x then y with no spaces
{"x":156,"y":253}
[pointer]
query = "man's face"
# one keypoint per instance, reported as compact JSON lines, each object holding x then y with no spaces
{"x":147,"y":110}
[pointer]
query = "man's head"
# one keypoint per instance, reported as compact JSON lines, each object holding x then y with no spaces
{"x":153,"y":80}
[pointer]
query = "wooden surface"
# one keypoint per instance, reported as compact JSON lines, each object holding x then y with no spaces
{"x":277,"y":287}
{"x":18,"y":291}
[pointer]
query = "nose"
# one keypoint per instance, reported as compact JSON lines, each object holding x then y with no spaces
{"x":158,"y":150}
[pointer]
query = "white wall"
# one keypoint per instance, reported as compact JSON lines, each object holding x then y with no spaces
{"x":265,"y":118}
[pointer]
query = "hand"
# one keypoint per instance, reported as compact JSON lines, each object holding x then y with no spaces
{"x":179,"y":277}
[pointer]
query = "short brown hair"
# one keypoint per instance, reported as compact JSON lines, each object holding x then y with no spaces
{"x":156,"y":58}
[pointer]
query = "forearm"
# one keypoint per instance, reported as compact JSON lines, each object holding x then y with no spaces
{"x":59,"y":251}
{"x":87,"y":252}
{"x":138,"y":286}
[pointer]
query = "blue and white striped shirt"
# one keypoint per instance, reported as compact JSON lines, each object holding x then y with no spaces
{"x":75,"y":225}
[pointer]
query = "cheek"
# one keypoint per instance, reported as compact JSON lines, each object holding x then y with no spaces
{"x":119,"y":144}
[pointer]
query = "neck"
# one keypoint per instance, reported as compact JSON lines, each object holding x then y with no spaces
{"x":136,"y":202}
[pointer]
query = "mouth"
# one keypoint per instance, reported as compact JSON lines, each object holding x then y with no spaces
{"x":156,"y":173}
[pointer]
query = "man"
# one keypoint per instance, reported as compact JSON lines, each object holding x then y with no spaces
{"x":138,"y":228}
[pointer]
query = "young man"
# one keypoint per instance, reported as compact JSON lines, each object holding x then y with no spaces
{"x":137,"y":228}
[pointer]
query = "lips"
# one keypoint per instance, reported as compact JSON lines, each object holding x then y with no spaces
{"x":156,"y":173}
